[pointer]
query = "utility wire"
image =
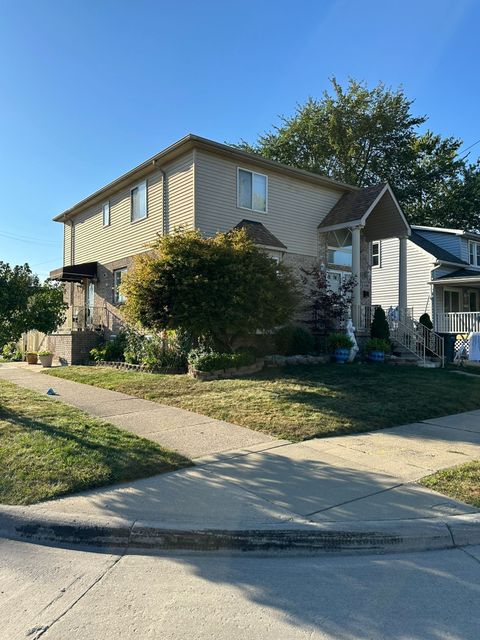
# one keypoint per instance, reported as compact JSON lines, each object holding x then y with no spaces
{"x":11,"y":236}
{"x":467,"y":148}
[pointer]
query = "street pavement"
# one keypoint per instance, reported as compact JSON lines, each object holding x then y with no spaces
{"x":59,"y":594}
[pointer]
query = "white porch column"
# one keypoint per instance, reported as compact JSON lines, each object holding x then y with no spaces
{"x":402,"y":277}
{"x":356,"y":294}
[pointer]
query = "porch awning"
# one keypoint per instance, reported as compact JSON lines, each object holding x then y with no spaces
{"x":373,"y":208}
{"x":75,"y":272}
{"x":460,"y":277}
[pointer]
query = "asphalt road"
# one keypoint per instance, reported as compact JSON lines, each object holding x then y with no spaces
{"x":60,"y":594}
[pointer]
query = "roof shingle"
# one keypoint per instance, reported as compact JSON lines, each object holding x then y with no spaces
{"x":259,"y":234}
{"x":352,"y":206}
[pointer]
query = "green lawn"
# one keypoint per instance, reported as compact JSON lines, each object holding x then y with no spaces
{"x":48,"y":449}
{"x":303,"y":402}
{"x":461,"y":483}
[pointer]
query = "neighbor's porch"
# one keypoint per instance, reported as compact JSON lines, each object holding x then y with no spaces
{"x":456,"y":303}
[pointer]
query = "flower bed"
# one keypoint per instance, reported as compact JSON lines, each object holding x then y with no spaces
{"x":233,"y":372}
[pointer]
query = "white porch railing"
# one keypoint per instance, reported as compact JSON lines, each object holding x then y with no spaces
{"x":418,"y":339}
{"x":457,"y":322}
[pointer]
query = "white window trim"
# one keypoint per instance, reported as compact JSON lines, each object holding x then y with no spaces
{"x":476,"y":252}
{"x":263,"y":175}
{"x":116,"y":293}
{"x":135,"y":186}
{"x":103,"y":214}
{"x":376,"y":266}
{"x":458,"y":290}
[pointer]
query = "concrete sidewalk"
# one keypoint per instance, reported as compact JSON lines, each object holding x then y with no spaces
{"x":192,"y":434}
{"x":244,"y":480}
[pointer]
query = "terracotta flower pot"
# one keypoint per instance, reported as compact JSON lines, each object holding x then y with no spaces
{"x":32,"y":358}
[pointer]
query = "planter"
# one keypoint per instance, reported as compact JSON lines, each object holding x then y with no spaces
{"x":32,"y":358}
{"x":376,"y":356}
{"x":46,"y":361}
{"x":341,"y":355}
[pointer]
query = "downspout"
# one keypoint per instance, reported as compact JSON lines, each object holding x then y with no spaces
{"x":164,"y":200}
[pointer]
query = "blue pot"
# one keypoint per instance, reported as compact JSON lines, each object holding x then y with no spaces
{"x":376,"y":356}
{"x":341,"y":355}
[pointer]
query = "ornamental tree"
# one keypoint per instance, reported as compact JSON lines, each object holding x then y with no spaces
{"x":26,"y":303}
{"x":221,"y":288}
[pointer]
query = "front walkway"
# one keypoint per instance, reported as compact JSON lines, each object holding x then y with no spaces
{"x":244,"y":478}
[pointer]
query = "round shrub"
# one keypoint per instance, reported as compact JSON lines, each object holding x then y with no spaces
{"x":294,"y":341}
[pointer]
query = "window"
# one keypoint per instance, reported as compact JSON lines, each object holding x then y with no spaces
{"x":337,"y":279}
{"x":474,"y":253}
{"x":106,"y":214}
{"x":138,"y":197}
{"x":252,"y":190}
{"x":451,"y":301}
{"x":340,"y":247}
{"x":118,"y":274}
{"x":376,"y":254}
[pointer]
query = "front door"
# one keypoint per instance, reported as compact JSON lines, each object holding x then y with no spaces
{"x":90,"y":302}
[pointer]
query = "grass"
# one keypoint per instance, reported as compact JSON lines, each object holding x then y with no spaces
{"x":461,"y":483}
{"x":48,"y":449}
{"x":302,"y":402}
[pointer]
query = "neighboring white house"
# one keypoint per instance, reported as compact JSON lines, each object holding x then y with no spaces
{"x":443,"y":276}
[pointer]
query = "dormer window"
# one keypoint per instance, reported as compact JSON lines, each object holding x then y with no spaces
{"x":474,"y":253}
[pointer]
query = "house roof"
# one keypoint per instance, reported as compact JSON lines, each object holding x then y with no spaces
{"x":461,"y":273}
{"x":352,"y":206}
{"x":259,"y":234}
{"x":433,"y":249}
{"x":457,"y":232}
{"x":186,"y":144}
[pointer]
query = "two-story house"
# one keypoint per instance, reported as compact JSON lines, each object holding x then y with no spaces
{"x":296,"y":216}
{"x":443,"y":275}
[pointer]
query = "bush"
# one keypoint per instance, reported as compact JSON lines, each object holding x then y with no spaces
{"x":166,"y":352}
{"x":293,"y":341}
{"x":377,"y":344}
{"x":213,"y":360}
{"x":339,"y":341}
{"x":379,"y":327}
{"x":45,"y":352}
{"x":110,"y":350}
{"x":426,"y":321}
{"x":11,"y":352}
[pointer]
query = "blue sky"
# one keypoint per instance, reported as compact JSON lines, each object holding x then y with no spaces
{"x":90,"y":88}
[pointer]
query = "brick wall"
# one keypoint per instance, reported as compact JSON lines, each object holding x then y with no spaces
{"x":74,"y":347}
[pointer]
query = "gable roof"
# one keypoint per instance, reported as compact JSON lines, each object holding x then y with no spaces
{"x":188,"y":143}
{"x":352,"y":206}
{"x":259,"y":234}
{"x":433,"y":249}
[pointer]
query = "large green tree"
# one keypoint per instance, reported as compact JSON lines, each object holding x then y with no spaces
{"x":221,"y":287}
{"x":26,"y":303}
{"x":362,"y":136}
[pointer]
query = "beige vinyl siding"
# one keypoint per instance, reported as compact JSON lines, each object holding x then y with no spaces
{"x":67,"y":244}
{"x":294,"y":211}
{"x":180,"y":189}
{"x":419,"y":272}
{"x":123,"y":237}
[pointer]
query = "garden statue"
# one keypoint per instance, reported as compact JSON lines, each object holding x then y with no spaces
{"x":351,"y":335}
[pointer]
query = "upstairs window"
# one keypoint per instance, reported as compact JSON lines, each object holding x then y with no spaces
{"x":339,"y":245}
{"x":252,"y":190}
{"x":375,"y":254}
{"x":474,"y":253}
{"x":118,"y":298}
{"x":106,"y":214}
{"x":138,"y":196}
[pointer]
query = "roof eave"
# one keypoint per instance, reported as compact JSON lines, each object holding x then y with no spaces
{"x":183,"y":145}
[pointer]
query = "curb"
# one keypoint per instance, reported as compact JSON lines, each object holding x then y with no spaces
{"x":302,"y":536}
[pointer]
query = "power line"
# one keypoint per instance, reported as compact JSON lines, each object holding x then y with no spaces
{"x":11,"y":236}
{"x":472,"y":145}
